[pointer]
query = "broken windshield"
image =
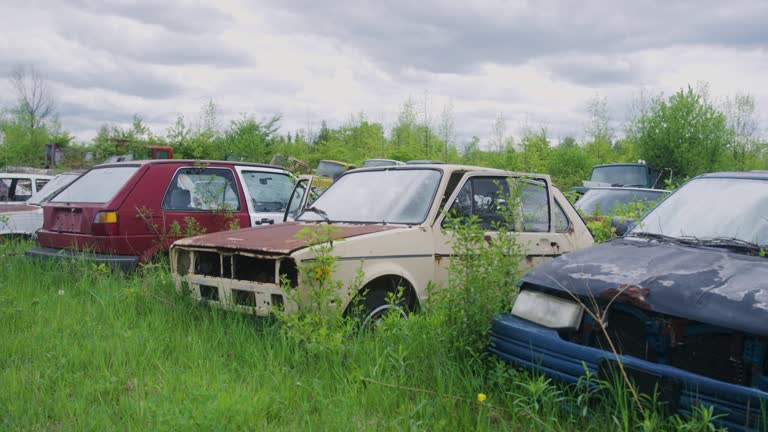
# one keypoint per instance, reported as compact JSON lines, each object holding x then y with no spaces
{"x":712,"y":209}
{"x":396,"y":196}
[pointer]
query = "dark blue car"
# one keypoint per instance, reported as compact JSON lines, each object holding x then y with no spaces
{"x":683,"y":296}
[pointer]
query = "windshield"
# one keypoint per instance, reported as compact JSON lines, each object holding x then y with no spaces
{"x":710,"y":208}
{"x":401,"y":196}
{"x":622,"y":175}
{"x":329,"y":169}
{"x":97,"y":186}
{"x":51,"y":188}
{"x":605,"y":200}
{"x":269,"y":191}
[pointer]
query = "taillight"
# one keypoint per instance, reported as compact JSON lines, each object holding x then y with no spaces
{"x":105,"y":223}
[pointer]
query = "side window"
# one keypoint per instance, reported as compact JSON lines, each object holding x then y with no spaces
{"x":20,"y":190}
{"x":534,"y":201}
{"x":5,"y":189}
{"x":39,"y":183}
{"x":562,"y":224}
{"x":202,"y":189}
{"x":482,"y":197}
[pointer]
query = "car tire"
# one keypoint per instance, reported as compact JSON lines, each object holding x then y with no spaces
{"x":376,"y":306}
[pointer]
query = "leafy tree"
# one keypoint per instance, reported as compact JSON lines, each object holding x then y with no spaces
{"x":741,"y":116}
{"x":598,"y":131}
{"x":686,"y":133}
{"x":568,"y":165}
{"x":534,"y":150}
{"x":251,"y":140}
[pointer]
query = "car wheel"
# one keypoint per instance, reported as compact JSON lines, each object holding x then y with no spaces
{"x":377,"y":306}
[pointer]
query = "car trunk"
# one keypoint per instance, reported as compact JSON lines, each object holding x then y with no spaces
{"x":70,"y":217}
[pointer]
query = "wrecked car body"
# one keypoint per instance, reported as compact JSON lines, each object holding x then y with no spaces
{"x":24,"y":220}
{"x":683,"y":297}
{"x":391,"y":222}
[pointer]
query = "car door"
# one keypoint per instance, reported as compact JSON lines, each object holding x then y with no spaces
{"x":267,"y":192}
{"x":204,"y":198}
{"x":484,"y":195}
{"x":303,"y":194}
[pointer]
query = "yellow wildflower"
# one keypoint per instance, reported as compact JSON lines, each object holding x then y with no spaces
{"x":481,"y":397}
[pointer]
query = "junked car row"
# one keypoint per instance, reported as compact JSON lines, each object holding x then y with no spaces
{"x":681,"y":296}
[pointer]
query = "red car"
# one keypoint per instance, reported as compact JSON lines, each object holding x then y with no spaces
{"x":124,"y":214}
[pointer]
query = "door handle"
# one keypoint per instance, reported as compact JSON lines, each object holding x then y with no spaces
{"x":267,"y":221}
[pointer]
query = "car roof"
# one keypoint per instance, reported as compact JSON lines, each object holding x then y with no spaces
{"x":627,"y":189}
{"x":744,"y":175}
{"x":347,"y":164}
{"x":622,"y":164}
{"x":446,"y":168}
{"x":188,"y":161}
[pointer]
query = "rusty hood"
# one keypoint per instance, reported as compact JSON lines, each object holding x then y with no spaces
{"x":709,"y":285}
{"x":280,"y":239}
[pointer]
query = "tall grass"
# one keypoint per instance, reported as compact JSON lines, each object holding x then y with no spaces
{"x":82,"y":348}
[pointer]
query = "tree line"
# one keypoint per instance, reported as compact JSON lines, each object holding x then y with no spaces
{"x":687,"y":132}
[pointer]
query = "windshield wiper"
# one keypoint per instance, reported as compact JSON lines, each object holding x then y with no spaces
{"x":659,"y":237}
{"x":733,"y":244}
{"x":316,"y":210}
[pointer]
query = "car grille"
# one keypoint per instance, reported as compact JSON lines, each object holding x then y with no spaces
{"x":236,"y":265}
{"x":704,"y":350}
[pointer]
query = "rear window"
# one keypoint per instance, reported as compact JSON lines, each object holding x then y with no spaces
{"x":97,"y":186}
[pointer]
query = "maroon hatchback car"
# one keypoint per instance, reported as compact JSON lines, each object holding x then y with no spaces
{"x":123,"y":214}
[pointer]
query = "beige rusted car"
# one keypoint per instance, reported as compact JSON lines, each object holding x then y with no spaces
{"x":391,"y":220}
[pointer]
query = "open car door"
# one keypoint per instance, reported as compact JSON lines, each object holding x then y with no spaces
{"x":302,"y":194}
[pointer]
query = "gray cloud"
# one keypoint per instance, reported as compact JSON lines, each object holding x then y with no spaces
{"x":124,"y":38}
{"x":590,"y":70}
{"x":456,"y":38}
{"x":173,"y":15}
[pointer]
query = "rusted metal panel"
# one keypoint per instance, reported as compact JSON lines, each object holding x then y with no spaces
{"x":274,"y":239}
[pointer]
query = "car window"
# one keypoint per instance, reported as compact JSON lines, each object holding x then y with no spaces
{"x":534,"y":200}
{"x":15,"y":189}
{"x":97,"y":186}
{"x":269,"y":191}
{"x":5,"y":187}
{"x":51,"y":187}
{"x":202,"y":189}
{"x":486,"y":197}
{"x":23,"y":190}
{"x":40,"y":183}
{"x":561,"y":220}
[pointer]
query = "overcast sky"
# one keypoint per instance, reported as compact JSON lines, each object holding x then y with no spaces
{"x":536,"y":63}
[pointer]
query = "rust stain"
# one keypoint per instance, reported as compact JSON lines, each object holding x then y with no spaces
{"x":628,"y":294}
{"x":274,"y":239}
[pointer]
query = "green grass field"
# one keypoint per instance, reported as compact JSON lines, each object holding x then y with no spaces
{"x":85,"y":349}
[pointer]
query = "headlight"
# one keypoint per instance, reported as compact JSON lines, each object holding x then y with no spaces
{"x":548,"y":311}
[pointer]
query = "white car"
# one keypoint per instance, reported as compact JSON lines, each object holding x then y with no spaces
{"x":25,"y":218}
{"x":391,"y":220}
{"x":17,"y":188}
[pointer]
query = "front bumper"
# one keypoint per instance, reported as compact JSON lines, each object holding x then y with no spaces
{"x":235,"y":295}
{"x":126,"y":263}
{"x":541,"y":349}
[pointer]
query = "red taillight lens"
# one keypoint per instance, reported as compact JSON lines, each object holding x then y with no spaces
{"x":105,"y":223}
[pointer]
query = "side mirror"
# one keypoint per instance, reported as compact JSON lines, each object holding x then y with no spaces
{"x":622,"y":227}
